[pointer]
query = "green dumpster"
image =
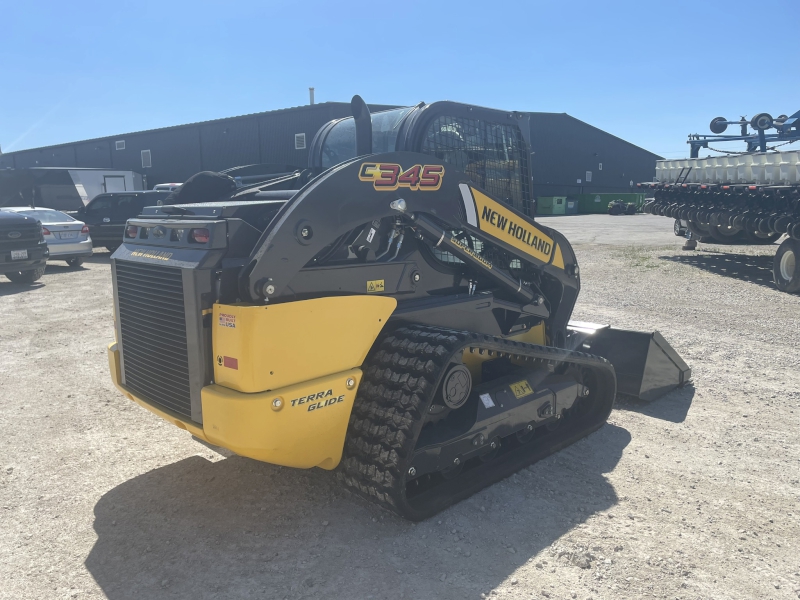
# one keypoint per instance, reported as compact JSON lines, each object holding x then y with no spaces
{"x":544,"y":205}
{"x":559,"y":205}
{"x":598,"y":203}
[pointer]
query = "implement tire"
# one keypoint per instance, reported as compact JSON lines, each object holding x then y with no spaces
{"x":725,"y":235}
{"x":786,"y":266}
{"x":760,"y":239}
{"x":700,"y":232}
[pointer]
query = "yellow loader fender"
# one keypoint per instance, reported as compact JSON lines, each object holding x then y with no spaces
{"x":286,"y":377}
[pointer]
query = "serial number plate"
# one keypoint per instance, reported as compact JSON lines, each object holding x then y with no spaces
{"x":68,"y":235}
{"x":19,"y":254}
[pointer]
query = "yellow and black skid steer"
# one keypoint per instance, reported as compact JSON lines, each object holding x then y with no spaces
{"x":400,"y":317}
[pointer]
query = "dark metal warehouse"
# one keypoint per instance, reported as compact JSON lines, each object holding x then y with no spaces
{"x":568,"y":155}
{"x":573,"y":157}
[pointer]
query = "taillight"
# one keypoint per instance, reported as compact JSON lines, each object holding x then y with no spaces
{"x":131,"y":231}
{"x":85,"y":229}
{"x":45,"y":231}
{"x":200,"y":236}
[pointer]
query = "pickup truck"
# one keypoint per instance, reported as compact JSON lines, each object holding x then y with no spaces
{"x":23,"y":250}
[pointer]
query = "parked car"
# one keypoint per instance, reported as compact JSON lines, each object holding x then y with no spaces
{"x":23,"y":250}
{"x":67,"y":238}
{"x":166,"y":187}
{"x":107,"y":214}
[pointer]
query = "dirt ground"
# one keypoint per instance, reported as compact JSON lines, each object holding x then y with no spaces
{"x":692,"y":496}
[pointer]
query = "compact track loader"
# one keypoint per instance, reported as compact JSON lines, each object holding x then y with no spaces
{"x":398,"y":318}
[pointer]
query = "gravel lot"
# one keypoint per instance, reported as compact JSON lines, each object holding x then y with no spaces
{"x":692,"y":496}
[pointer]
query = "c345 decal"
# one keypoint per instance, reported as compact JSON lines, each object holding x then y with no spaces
{"x":386,"y":177}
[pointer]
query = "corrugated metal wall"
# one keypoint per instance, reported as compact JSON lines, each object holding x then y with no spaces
{"x":93,"y":154}
{"x":229,"y":144}
{"x":177,"y":153}
{"x":565,"y":149}
{"x":174,"y":154}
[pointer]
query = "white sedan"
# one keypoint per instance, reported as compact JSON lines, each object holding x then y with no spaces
{"x":67,"y":238}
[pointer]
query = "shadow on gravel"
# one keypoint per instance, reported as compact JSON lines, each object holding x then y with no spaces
{"x":60,"y":268}
{"x":673,"y":407}
{"x":755,"y":269}
{"x":238,"y":528}
{"x":100,"y":257}
{"x":7,"y":288}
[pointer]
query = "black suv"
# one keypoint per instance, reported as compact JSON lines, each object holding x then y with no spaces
{"x":23,"y":251}
{"x":106,"y":214}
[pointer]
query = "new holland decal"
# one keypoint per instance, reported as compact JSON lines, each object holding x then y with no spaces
{"x":158,"y":255}
{"x":501,"y":223}
{"x":386,"y":177}
{"x":318,"y":400}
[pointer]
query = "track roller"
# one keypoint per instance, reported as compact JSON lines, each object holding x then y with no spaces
{"x":418,"y":441}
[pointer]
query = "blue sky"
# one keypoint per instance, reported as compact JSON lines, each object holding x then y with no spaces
{"x":648,"y":72}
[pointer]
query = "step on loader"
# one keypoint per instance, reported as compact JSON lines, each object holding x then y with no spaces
{"x":400,"y":318}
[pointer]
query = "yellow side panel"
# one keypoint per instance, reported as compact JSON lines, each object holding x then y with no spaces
{"x":258,"y":348}
{"x":558,"y":258}
{"x":308,"y":429}
{"x":534,"y":335}
{"x":499,"y":222}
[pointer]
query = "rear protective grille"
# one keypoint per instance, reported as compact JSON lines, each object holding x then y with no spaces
{"x":493,"y":155}
{"x":152,"y":324}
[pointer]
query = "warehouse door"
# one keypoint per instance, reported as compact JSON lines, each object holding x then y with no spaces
{"x":113,"y":183}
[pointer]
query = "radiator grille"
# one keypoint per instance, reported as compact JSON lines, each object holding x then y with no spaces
{"x":152,"y":324}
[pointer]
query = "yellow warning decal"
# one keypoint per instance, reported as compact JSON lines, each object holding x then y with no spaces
{"x":521,"y":389}
{"x":501,"y":223}
{"x":375,"y":286}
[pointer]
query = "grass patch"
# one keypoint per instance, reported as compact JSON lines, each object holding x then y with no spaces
{"x":642,"y":257}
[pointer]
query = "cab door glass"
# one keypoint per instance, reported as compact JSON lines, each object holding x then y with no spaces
{"x":98,"y":209}
{"x":147,"y":200}
{"x":126,"y":207}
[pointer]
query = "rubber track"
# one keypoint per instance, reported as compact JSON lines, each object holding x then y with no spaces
{"x":400,"y":380}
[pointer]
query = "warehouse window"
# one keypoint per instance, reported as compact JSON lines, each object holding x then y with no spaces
{"x":299,"y":141}
{"x":120,"y":144}
{"x":493,"y":156}
{"x":146,"y":159}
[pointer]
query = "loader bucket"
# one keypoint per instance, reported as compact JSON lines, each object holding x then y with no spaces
{"x":647,"y":366}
